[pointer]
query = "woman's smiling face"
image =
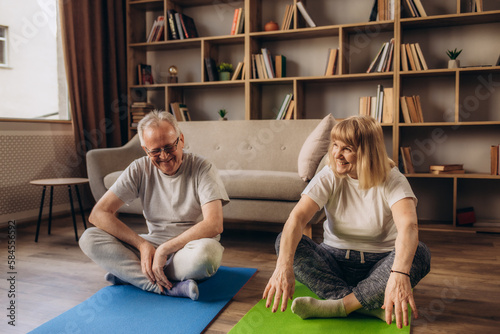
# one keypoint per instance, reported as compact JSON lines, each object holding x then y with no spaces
{"x":345,"y":158}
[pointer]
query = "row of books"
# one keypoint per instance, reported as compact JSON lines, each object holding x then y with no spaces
{"x":286,"y":24}
{"x":180,"y":26}
{"x":286,"y":108}
{"x":411,"y":108}
{"x":383,"y":10}
{"x":495,"y":159}
{"x":157,"y":30}
{"x":380,"y":106}
{"x":413,"y":8}
{"x":238,"y":22}
{"x":474,"y":6}
{"x":265,"y":66}
{"x":406,"y":159}
{"x":137,"y":112}
{"x":384,"y":58}
{"x":180,"y":111}
{"x":412,"y":58}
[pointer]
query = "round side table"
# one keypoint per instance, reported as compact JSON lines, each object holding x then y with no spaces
{"x":74,"y":181}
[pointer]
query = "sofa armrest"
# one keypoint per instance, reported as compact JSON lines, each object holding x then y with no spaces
{"x":102,"y":161}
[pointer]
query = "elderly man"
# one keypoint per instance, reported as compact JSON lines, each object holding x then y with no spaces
{"x":182,"y":196}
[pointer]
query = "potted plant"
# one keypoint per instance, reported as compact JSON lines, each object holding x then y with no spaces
{"x":222,"y":113}
{"x":453,"y":54}
{"x":225,"y":70}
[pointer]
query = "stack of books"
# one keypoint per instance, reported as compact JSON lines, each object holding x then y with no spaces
{"x":411,"y":109}
{"x":384,"y":59}
{"x":238,"y":22}
{"x":413,"y":8}
{"x":137,"y":112}
{"x":265,"y":68}
{"x":447,"y":169}
{"x":157,"y":31}
{"x":412,"y":58}
{"x":384,"y":9}
{"x":239,"y":72}
{"x":380,"y":107}
{"x":286,"y":108}
{"x":180,"y":26}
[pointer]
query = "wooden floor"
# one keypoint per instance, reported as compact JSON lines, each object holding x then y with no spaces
{"x":460,"y":295}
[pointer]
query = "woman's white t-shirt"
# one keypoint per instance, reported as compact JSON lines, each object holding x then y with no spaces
{"x":358,"y":219}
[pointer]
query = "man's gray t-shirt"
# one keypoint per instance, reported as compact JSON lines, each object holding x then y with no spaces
{"x":171,"y":203}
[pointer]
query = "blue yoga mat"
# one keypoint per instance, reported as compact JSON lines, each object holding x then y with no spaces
{"x":127,"y":309}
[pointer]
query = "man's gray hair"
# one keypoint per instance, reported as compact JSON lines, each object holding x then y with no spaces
{"x":153,"y":119}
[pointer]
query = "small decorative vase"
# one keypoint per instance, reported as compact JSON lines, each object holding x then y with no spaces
{"x":453,"y":63}
{"x":271,"y":26}
{"x":224,"y":76}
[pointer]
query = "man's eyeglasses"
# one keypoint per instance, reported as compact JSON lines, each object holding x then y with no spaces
{"x":169,"y":149}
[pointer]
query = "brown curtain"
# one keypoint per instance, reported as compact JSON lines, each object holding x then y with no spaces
{"x":94,"y":39}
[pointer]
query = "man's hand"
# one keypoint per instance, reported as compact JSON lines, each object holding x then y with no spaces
{"x":281,"y":284}
{"x":397,"y":295}
{"x":147,"y":255}
{"x":159,"y":261}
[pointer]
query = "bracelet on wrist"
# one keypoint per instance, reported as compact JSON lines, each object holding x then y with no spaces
{"x":400,"y":272}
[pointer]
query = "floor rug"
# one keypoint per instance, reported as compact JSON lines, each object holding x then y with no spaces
{"x":262,"y":320}
{"x":127,"y":309}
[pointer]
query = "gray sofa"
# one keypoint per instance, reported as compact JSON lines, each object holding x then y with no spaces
{"x":257,"y":160}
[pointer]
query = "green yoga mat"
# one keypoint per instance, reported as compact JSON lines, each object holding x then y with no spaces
{"x":261,"y":320}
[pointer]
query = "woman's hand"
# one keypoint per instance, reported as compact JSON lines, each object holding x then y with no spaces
{"x":281,"y":284}
{"x":398,"y":294}
{"x":159,"y":261}
{"x":147,"y":254}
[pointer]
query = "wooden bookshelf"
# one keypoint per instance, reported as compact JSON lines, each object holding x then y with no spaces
{"x":457,"y":110}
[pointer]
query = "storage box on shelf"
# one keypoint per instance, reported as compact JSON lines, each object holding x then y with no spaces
{"x":458,"y":105}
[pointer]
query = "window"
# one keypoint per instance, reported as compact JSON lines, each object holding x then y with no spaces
{"x":3,"y":46}
{"x":32,"y":73}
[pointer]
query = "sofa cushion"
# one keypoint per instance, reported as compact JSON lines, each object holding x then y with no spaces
{"x":260,"y":184}
{"x":111,"y":178}
{"x":314,"y":148}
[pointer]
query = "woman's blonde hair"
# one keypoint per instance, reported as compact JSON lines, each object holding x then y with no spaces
{"x":364,"y":134}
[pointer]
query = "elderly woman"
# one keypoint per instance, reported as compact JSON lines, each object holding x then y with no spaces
{"x":371,"y":256}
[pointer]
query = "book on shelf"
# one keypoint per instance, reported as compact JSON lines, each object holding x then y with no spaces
{"x":211,"y":69}
{"x":495,"y":159}
{"x":383,"y":60}
{"x":413,"y":8}
{"x":172,"y":25}
{"x":331,"y":64}
{"x":238,"y":21}
{"x":385,"y":9}
{"x":157,"y":30}
{"x":411,"y":108}
{"x":289,"y":112}
{"x":238,"y":72}
{"x":140,"y":104}
{"x":145,"y":74}
{"x":180,"y":112}
{"x":380,"y":106}
{"x":412,"y":57}
{"x":178,"y":25}
{"x":263,"y":66}
{"x":478,"y":5}
{"x":305,"y":14}
{"x":284,"y":106}
{"x":184,"y":111}
{"x":188,"y":26}
{"x":447,"y":169}
{"x":286,"y":24}
{"x":280,"y":66}
{"x":407,"y":160}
